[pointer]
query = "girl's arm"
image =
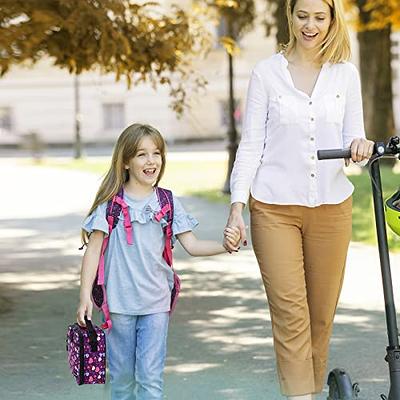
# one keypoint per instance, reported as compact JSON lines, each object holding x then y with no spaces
{"x":88,"y":274}
{"x":196,"y":247}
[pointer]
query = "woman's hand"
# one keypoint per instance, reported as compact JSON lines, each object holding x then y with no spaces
{"x":235,"y":221}
{"x":85,"y":308}
{"x":232,"y":235}
{"x":361,"y":149}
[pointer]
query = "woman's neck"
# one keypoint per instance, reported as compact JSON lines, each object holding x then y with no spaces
{"x":303,"y":58}
{"x":137,"y":190}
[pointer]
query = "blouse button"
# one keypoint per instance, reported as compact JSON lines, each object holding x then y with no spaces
{"x":310,"y":103}
{"x":312,"y":118}
{"x":311,"y":138}
{"x":337,"y":96}
{"x":312,"y":175}
{"x":312,"y":157}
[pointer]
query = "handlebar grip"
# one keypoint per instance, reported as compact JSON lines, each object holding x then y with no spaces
{"x":333,"y":154}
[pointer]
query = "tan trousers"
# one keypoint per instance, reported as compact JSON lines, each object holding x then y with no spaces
{"x":301,"y":252}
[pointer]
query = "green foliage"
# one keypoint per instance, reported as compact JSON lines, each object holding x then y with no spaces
{"x":141,"y":43}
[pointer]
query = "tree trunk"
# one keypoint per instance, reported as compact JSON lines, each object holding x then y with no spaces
{"x":376,"y":78}
{"x":232,"y":131}
{"x":77,"y":117}
{"x":282,"y":31}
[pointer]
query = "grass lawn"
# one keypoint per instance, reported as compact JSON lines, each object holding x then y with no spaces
{"x":205,"y":178}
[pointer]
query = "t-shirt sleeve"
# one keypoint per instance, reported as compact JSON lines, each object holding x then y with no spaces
{"x":96,"y":221}
{"x":183,"y":222}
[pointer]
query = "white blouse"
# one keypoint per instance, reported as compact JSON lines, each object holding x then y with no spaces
{"x":284,"y":127}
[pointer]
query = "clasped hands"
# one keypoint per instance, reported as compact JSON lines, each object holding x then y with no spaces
{"x":235,"y":230}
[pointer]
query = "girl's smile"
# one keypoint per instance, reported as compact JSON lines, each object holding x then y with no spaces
{"x":145,"y":166}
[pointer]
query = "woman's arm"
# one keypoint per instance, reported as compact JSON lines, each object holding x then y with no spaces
{"x":249,"y":154}
{"x":196,"y":247}
{"x":90,"y":263}
{"x":251,"y":147}
{"x":353,"y":123}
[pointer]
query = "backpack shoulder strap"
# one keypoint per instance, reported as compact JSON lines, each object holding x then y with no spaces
{"x":166,"y":200}
{"x":113,"y":209}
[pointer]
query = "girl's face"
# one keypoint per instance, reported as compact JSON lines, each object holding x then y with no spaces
{"x":311,"y":22}
{"x":145,"y":166}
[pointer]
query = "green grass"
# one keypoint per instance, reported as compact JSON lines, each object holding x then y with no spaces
{"x":185,"y":178}
{"x":205,"y":179}
{"x":363,"y":214}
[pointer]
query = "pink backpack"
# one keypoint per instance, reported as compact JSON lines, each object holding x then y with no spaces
{"x":114,"y":208}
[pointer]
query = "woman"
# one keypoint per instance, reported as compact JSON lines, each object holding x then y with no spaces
{"x":303,"y":99}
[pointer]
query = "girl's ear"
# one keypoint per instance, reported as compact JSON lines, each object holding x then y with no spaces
{"x":126,"y":167}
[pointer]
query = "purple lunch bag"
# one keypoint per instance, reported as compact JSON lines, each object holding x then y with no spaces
{"x":86,"y":349}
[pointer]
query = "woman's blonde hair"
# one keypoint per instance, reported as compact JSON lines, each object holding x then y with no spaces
{"x":336,"y":46}
{"x":125,"y":149}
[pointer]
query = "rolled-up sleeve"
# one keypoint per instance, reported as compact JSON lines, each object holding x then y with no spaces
{"x":96,"y":221}
{"x":249,"y":153}
{"x":353,"y":123}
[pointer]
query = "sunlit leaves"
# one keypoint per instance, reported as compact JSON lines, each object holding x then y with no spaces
{"x":140,"y":42}
{"x":230,"y":45}
{"x":374,"y":14}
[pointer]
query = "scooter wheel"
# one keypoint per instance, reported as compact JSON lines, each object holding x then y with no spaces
{"x":340,"y":387}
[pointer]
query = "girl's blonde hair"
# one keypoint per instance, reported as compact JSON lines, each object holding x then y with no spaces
{"x":125,"y":149}
{"x":336,"y":46}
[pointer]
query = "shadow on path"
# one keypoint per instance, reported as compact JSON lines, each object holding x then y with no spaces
{"x":220,"y":342}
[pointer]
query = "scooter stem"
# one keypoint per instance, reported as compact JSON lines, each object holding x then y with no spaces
{"x":393,"y":350}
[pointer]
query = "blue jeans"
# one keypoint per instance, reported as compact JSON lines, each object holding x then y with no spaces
{"x":136,"y":347}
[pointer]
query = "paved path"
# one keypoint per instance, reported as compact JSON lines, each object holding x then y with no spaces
{"x":220,"y":344}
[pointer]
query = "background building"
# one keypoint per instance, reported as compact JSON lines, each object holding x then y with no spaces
{"x":41,"y":99}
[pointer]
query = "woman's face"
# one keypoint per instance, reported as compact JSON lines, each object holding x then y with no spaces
{"x":311,"y":22}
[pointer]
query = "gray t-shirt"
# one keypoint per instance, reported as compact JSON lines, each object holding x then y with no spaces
{"x":137,"y":278}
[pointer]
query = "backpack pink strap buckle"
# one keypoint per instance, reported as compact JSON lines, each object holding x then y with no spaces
{"x":162,"y":212}
{"x":106,"y":312}
{"x":127,"y":219}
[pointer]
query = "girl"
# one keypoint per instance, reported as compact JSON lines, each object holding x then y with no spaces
{"x":306,"y":98}
{"x":137,"y":277}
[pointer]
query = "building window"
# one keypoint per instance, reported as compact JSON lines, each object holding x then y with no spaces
{"x":113,"y":116}
{"x":224,"y":113}
{"x":5,"y":119}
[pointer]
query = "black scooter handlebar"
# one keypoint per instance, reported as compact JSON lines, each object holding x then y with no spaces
{"x":333,"y":154}
{"x":392,"y":148}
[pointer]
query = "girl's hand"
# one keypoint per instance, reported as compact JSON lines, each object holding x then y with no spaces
{"x":361,"y":149}
{"x":85,"y":308}
{"x":232,"y":235}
